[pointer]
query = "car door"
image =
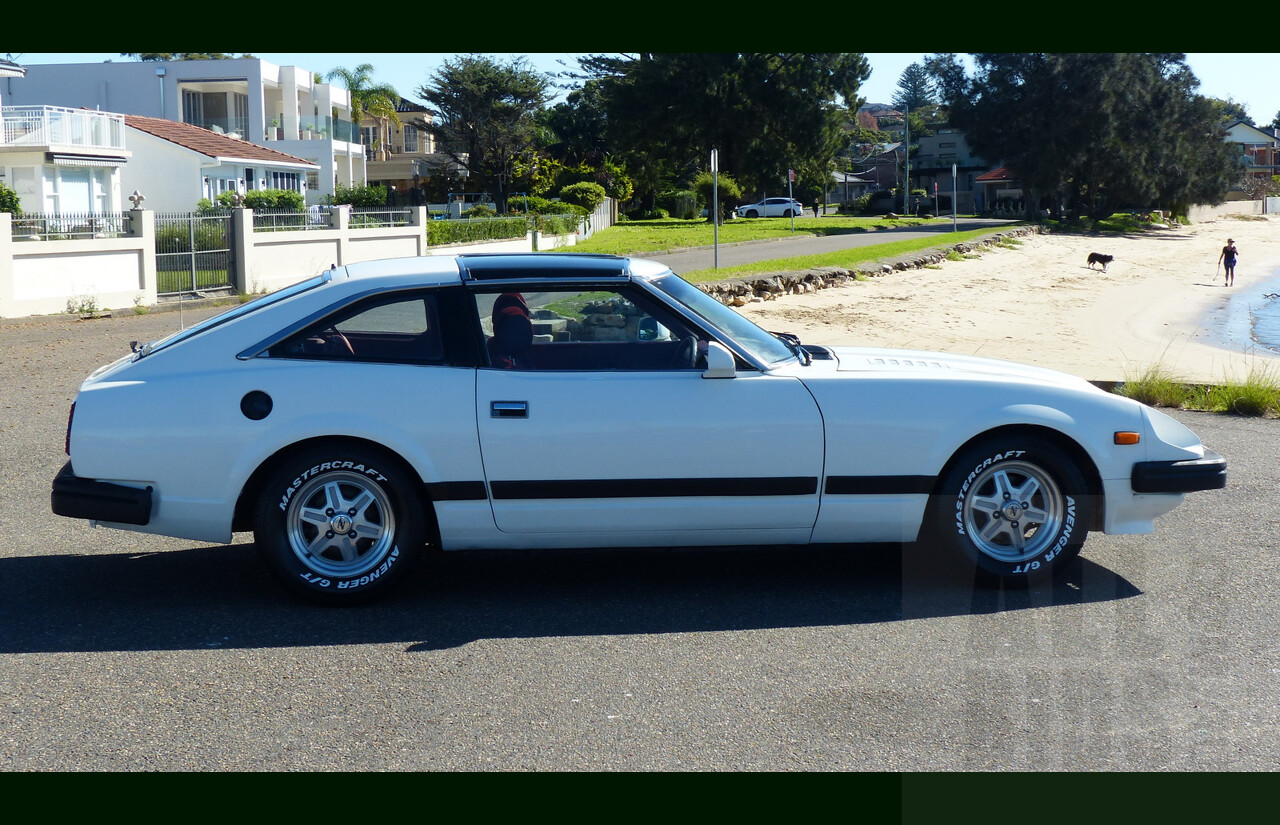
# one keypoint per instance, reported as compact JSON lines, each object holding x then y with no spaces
{"x":603,"y":427}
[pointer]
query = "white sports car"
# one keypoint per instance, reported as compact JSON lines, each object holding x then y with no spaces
{"x":559,"y":400}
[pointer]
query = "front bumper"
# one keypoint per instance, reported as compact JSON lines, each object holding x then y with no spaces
{"x":1189,"y":476}
{"x":86,"y":498}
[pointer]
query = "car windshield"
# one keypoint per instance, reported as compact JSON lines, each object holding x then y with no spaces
{"x":232,"y":314}
{"x":764,"y":345}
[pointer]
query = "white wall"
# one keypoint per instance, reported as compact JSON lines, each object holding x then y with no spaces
{"x":168,"y":175}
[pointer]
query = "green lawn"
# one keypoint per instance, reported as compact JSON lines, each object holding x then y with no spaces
{"x":640,"y":237}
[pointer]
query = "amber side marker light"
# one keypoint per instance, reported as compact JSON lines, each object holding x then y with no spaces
{"x":1123,"y":438}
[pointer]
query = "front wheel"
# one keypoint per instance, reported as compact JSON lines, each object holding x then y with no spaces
{"x":751,"y":213}
{"x":1015,"y":507}
{"x":339,"y":525}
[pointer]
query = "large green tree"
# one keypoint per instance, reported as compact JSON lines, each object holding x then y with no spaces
{"x":764,"y":113}
{"x":1091,"y":131}
{"x":486,"y":115}
{"x":915,"y":89}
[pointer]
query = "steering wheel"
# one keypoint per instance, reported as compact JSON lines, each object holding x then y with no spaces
{"x":686,"y":355}
{"x":335,"y":343}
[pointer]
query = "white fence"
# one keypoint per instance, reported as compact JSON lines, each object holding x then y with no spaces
{"x":56,"y":276}
{"x":1200,"y":214}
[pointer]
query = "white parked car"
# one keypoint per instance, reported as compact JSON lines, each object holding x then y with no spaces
{"x":558,"y":400}
{"x":771,"y":208}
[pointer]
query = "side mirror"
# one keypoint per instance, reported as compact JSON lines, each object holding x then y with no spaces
{"x":720,"y":362}
{"x":650,"y":330}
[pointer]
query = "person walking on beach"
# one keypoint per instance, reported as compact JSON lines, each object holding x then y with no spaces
{"x":1228,"y":261}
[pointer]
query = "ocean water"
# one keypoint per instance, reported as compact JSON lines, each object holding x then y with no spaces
{"x":1248,"y":319}
{"x":1266,"y":321}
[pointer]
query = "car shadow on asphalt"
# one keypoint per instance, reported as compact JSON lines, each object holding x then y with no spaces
{"x":224,"y":597}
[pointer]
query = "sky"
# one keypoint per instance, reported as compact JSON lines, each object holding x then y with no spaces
{"x":1249,"y":78}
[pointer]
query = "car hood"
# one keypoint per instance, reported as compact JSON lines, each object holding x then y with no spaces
{"x":920,"y":363}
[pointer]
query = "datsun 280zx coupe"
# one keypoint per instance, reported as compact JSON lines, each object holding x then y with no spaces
{"x":357,"y":418}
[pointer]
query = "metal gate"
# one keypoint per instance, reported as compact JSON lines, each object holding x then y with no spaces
{"x":194,"y":252}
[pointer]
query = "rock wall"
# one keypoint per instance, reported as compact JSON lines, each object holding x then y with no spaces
{"x":742,"y":291}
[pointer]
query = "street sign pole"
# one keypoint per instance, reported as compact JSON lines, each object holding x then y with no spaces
{"x":954,"y":203}
{"x":791,"y":176}
{"x":715,"y":205}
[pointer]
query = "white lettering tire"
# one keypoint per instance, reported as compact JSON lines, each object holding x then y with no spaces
{"x":339,"y":525}
{"x":1013,"y":507}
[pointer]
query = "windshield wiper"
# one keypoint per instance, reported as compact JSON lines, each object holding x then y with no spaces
{"x":793,"y":341}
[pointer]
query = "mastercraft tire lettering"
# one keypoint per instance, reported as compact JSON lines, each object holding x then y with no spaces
{"x":1014,"y":506}
{"x":339,"y":525}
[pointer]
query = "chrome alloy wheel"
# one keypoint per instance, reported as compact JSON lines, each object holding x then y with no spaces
{"x":340,"y":524}
{"x":1012,"y":511}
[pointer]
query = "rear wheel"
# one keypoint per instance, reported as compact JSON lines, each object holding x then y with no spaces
{"x":339,"y":524}
{"x":1015,"y":507}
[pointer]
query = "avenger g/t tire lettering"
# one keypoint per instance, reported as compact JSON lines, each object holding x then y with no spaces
{"x":339,"y":525}
{"x":1014,"y":507}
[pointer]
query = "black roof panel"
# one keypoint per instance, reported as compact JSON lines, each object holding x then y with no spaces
{"x":499,"y":266}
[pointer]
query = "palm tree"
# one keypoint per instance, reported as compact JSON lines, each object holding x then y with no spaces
{"x":378,"y":100}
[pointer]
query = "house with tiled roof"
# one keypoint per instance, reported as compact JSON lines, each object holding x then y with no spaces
{"x":284,"y":107}
{"x":58,"y":160}
{"x":1259,"y":151}
{"x":998,"y":189}
{"x":174,"y":164}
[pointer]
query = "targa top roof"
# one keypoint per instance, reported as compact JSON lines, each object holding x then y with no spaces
{"x":503,"y":267}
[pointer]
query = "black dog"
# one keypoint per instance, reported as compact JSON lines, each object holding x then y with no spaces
{"x":1099,"y":258}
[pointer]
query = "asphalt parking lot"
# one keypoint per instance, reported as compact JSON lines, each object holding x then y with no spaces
{"x":121,"y":651}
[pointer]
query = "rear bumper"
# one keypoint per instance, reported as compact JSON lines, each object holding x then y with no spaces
{"x":85,"y":498}
{"x":1208,"y":473}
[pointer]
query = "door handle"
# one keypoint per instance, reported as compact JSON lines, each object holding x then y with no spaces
{"x":508,"y":409}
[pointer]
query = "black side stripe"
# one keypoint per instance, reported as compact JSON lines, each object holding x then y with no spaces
{"x":655,"y":488}
{"x":681,"y":487}
{"x":457,"y":491}
{"x":878,"y":485}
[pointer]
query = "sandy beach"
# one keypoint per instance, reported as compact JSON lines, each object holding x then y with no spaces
{"x":1161,"y":301}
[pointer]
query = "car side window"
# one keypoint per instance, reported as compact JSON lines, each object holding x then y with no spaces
{"x":398,"y":330}
{"x":585,"y":330}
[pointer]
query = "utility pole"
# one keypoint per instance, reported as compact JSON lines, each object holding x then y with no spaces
{"x":906,"y":161}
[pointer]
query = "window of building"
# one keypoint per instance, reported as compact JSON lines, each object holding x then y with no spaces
{"x":286,"y":180}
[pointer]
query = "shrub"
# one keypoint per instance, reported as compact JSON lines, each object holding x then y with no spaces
{"x":682,"y":204}
{"x":533,"y":205}
{"x":557,"y":224}
{"x":446,"y":232}
{"x":207,"y":235}
{"x":273,"y":199}
{"x":480,"y":210}
{"x":640,"y":214}
{"x":586,"y":194}
{"x":726,"y":190}
{"x":9,"y":200}
{"x":372,"y":196}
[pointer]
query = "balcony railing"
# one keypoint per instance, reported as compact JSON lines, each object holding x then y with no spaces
{"x":236,"y":127}
{"x":55,"y":128}
{"x":317,"y":128}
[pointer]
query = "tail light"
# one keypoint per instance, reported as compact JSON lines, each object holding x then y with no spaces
{"x":71,"y":415}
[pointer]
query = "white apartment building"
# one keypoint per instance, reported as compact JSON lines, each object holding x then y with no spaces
{"x":279,"y":107}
